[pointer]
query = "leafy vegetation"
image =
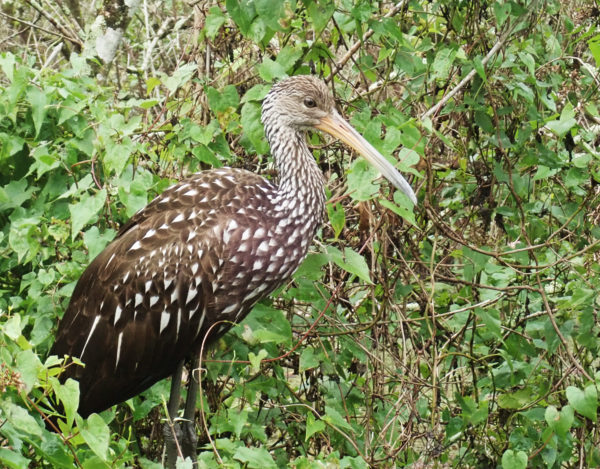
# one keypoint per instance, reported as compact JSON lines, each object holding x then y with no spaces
{"x":463,"y":335}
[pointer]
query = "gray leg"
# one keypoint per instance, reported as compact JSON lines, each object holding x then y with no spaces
{"x":181,"y":438}
{"x":189,"y":441}
{"x":171,"y":429}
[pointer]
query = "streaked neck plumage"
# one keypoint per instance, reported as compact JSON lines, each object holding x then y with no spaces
{"x":300,"y":178}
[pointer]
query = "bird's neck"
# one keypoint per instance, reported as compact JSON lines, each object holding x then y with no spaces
{"x":299,"y":176}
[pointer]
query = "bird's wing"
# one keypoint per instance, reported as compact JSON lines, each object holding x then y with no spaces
{"x":139,"y":307}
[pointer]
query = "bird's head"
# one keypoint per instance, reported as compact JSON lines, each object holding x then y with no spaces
{"x":303,"y":102}
{"x":298,"y":102}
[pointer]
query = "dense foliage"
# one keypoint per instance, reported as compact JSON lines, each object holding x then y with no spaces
{"x":463,"y":335}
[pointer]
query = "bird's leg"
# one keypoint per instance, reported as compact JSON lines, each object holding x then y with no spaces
{"x":180,"y":434}
{"x":171,"y":429}
{"x":189,"y":441}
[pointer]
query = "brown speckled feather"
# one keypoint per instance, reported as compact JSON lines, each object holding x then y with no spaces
{"x":204,"y":251}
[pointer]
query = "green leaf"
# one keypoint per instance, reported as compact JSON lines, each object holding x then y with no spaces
{"x":84,"y":210}
{"x":242,"y":13}
{"x":21,"y":419}
{"x":544,"y":172}
{"x":68,"y":395}
{"x":270,"y":325}
{"x":403,"y":207}
{"x":413,"y":141}
{"x":256,"y":359}
{"x":180,"y":76}
{"x":256,"y":93}
{"x":313,"y":426}
{"x":320,"y":13}
{"x":333,"y":417}
{"x":186,"y":463}
{"x":24,"y":234}
{"x":501,"y":10}
{"x":585,"y":402}
{"x":147,"y":464}
{"x":408,"y":158}
{"x":356,"y":462}
{"x":594,"y":45}
{"x":221,"y":101}
{"x":479,"y":68}
{"x":117,"y":155}
{"x":454,"y":428}
{"x":288,"y":56}
{"x":80,"y":186}
{"x":152,"y":83}
{"x":134,"y":193}
{"x":7,"y":64}
{"x":258,"y":30}
{"x":202,"y":134}
{"x":485,"y":122}
{"x":13,"y":460}
{"x":575,"y":177}
{"x":350,"y":261}
{"x":44,"y":162}
{"x":10,"y":145}
{"x":560,"y":422}
{"x":565,"y":123}
{"x":473,"y":412}
{"x":38,"y":100}
{"x":267,"y":325}
{"x":96,"y":434}
{"x":517,"y":399}
{"x":237,"y":419}
{"x":28,"y":365}
{"x":337,"y":218}
{"x":214,"y":20}
{"x":96,"y":241}
{"x":514,"y":459}
{"x":206,"y":155}
{"x":13,"y":327}
{"x":362,"y":11}
{"x":309,"y":359}
{"x":491,"y":319}
{"x":148,"y":103}
{"x":15,"y":193}
{"x":582,"y":296}
{"x":475,"y":262}
{"x":529,"y":62}
{"x":442,"y":63}
{"x":269,"y":70}
{"x":270,"y":11}
{"x":255,"y":458}
{"x":311,"y":268}
{"x":253,"y":127}
{"x":360,"y":180}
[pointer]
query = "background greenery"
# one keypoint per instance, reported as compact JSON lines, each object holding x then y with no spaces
{"x":465,"y":335}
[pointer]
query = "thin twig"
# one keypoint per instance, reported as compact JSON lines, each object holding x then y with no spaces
{"x":65,"y":33}
{"x":340,"y":63}
{"x":35,"y":26}
{"x":560,"y":335}
{"x":435,"y":109}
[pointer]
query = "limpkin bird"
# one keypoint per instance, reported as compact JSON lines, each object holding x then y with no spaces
{"x":205,"y":250}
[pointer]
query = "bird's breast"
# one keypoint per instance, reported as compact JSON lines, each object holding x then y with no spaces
{"x":263,"y":245}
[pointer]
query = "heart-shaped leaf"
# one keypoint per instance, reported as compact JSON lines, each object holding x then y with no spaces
{"x":584,"y":402}
{"x":514,"y":459}
{"x":561,"y":421}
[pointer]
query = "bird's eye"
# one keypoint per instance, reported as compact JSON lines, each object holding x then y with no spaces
{"x":309,"y":102}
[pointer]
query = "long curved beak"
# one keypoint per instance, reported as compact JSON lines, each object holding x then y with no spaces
{"x":334,"y":125}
